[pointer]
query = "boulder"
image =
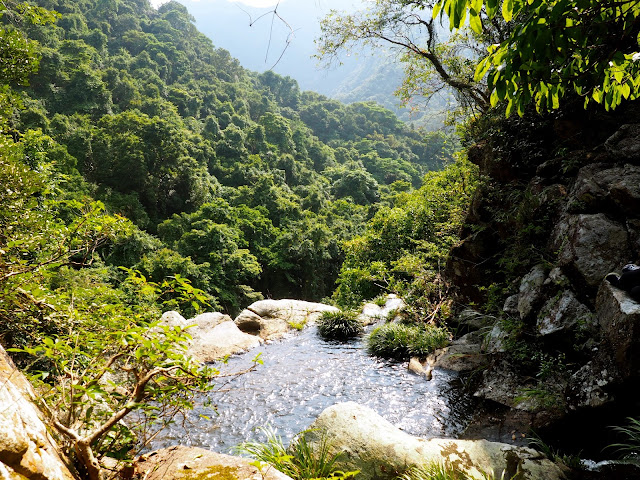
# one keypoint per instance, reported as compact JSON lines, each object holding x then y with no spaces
{"x":619,"y":318}
{"x":502,"y":384}
{"x":190,"y":463}
{"x":530,"y":290}
{"x":495,"y":339}
{"x":593,"y":245}
{"x":271,"y":319}
{"x":562,"y":313}
{"x":372,"y":313}
{"x":214,"y":335}
{"x":27,"y":450}
{"x":379,"y":450}
{"x":463,"y":355}
{"x":625,"y":143}
{"x":601,"y":185}
{"x":588,"y":387}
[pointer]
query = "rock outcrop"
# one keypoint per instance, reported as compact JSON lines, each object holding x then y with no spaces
{"x":369,"y":443}
{"x":190,"y":463}
{"x":270,"y":319}
{"x":214,"y":335}
{"x":27,"y":450}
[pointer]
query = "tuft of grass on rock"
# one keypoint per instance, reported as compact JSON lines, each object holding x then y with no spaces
{"x":340,"y":325}
{"x":399,"y":341}
{"x":300,"y":461}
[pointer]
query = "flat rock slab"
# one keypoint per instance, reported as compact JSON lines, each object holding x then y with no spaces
{"x":191,"y":463}
{"x":214,"y":334}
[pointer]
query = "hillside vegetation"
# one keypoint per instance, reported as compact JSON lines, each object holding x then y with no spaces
{"x":236,"y":181}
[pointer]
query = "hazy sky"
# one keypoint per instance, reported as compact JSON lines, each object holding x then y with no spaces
{"x":250,"y":3}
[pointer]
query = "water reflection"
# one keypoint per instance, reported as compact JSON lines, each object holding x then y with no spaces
{"x":301,"y":376}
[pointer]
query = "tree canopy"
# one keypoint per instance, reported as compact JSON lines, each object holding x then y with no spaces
{"x":518,"y":51}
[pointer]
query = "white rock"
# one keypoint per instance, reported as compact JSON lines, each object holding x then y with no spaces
{"x":379,"y":450}
{"x":271,"y":319}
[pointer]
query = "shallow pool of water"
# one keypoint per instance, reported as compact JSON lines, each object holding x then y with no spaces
{"x":301,"y":376}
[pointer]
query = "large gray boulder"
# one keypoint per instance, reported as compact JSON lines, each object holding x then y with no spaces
{"x":563,"y":313}
{"x":270,"y":319}
{"x":463,"y":355}
{"x":619,"y":318}
{"x":625,"y":143}
{"x":379,"y":450}
{"x":530,"y":290}
{"x":214,"y":335}
{"x":593,"y":245}
{"x":190,"y":463}
{"x":27,"y":450}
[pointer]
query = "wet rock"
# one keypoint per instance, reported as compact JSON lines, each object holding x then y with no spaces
{"x":530,"y":290}
{"x":271,"y":319}
{"x":190,"y":463}
{"x":625,"y":143}
{"x":420,"y":368}
{"x":27,"y":450}
{"x":593,"y":245}
{"x":214,"y":335}
{"x":562,"y":313}
{"x":379,"y":450}
{"x":619,"y":318}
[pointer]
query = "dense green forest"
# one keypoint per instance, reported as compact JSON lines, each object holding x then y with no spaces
{"x":142,"y":170}
{"x":236,"y":181}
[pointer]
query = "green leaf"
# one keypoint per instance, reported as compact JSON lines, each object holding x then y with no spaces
{"x":474,"y":21}
{"x":507,"y":10}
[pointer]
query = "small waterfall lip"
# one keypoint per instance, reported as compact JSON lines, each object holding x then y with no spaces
{"x":301,"y":375}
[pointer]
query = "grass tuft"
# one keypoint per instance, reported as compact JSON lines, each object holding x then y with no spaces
{"x":632,"y":431}
{"x":400,"y":342}
{"x":300,"y":460}
{"x":340,"y":325}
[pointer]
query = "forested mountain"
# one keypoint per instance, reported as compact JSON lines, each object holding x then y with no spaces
{"x":238,"y":181}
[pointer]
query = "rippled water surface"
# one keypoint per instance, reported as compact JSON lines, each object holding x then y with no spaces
{"x":301,"y":376}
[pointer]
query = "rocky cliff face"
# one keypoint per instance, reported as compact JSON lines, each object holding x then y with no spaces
{"x":27,"y":451}
{"x":544,"y":230}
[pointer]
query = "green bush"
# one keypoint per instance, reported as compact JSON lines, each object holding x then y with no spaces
{"x":433,"y":471}
{"x":399,"y":341}
{"x":300,"y":460}
{"x":340,"y":325}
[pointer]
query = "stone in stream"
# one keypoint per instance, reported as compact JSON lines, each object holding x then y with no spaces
{"x":191,"y":463}
{"x":270,"y":319}
{"x":214,"y":335}
{"x":379,"y":450}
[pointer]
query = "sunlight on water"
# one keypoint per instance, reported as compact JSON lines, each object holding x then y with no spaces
{"x":301,"y":376}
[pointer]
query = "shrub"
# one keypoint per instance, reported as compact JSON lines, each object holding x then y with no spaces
{"x":433,"y":471}
{"x":300,"y":460}
{"x":340,"y":325}
{"x":399,"y":341}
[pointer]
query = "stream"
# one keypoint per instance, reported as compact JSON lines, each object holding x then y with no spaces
{"x":302,"y":375}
